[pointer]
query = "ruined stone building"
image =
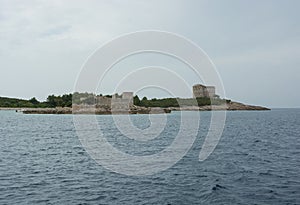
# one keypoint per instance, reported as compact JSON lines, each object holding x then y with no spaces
{"x":203,"y":91}
{"x":116,"y":102}
{"x":103,"y":101}
{"x":122,"y":102}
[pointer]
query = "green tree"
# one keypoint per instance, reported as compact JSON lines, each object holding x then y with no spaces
{"x":136,"y":100}
{"x":34,"y":101}
{"x":51,"y":101}
{"x":144,"y":102}
{"x":67,"y":100}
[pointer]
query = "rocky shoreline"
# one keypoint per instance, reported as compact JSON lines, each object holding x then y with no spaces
{"x":229,"y":106}
{"x":134,"y":109}
{"x":93,"y":110}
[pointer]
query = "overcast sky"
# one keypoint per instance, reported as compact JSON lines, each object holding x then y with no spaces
{"x":255,"y":45}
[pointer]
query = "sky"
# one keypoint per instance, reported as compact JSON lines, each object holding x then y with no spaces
{"x":255,"y":45}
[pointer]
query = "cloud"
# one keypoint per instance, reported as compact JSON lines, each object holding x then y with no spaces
{"x":278,"y":54}
{"x":44,"y":43}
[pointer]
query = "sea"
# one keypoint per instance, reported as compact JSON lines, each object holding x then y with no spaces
{"x":256,"y":161}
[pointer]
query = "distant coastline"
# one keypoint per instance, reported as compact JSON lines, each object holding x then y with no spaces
{"x":132,"y":109}
{"x":204,"y":99}
{"x":231,"y":106}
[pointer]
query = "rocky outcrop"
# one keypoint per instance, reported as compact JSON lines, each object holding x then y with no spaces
{"x":59,"y":110}
{"x":228,"y":106}
{"x":241,"y":106}
{"x":95,"y":110}
{"x":77,"y":109}
{"x":10,"y":108}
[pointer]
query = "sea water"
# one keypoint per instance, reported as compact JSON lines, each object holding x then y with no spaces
{"x":257,"y":161}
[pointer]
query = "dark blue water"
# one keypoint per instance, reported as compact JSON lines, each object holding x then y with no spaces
{"x":257,"y":161}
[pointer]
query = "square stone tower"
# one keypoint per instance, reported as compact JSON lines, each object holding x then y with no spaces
{"x":200,"y":91}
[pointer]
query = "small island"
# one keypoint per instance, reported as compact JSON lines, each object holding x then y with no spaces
{"x":204,"y":99}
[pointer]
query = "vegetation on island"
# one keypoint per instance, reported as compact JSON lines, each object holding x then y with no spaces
{"x":51,"y":102}
{"x":177,"y":102}
{"x":66,"y":100}
{"x":17,"y":103}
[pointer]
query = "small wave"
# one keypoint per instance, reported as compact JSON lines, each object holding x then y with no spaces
{"x":217,"y":187}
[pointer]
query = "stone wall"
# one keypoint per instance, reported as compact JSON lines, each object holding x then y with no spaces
{"x":103,"y":101}
{"x":119,"y":102}
{"x":199,"y":91}
{"x":203,"y":91}
{"x":211,"y":91}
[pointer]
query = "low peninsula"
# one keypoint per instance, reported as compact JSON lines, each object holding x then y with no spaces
{"x":204,"y":99}
{"x":93,"y":104}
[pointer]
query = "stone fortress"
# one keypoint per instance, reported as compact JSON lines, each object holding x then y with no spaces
{"x":125,"y":100}
{"x":200,"y":91}
{"x":109,"y":104}
{"x":116,"y":102}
